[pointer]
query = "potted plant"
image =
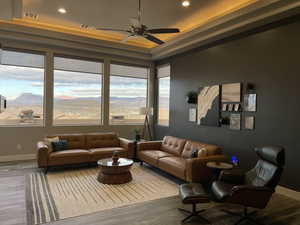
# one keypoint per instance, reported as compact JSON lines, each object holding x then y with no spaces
{"x":137,"y":133}
{"x":191,"y":97}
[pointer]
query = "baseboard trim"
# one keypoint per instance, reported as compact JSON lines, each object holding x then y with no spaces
{"x":288,"y":192}
{"x":20,"y":157}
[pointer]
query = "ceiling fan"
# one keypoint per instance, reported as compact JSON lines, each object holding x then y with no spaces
{"x":137,"y":29}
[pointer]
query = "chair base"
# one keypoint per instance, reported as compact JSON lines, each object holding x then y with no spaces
{"x":245,"y":215}
{"x":193,"y":213}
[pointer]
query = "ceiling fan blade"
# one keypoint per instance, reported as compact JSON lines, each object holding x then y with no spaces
{"x":110,"y":29}
{"x":153,"y":39}
{"x":163,"y":31}
{"x":135,"y":22}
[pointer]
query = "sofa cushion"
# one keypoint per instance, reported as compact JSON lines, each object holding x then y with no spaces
{"x":173,"y":165}
{"x":76,"y":141}
{"x":48,"y":142}
{"x":102,"y":140}
{"x":173,"y":145}
{"x":72,"y":156}
{"x":206,"y":149}
{"x":60,"y":145}
{"x":152,"y":156}
{"x":69,"y":153}
{"x":101,"y":153}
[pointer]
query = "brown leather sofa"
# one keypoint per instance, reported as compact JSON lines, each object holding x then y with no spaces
{"x":173,"y":155}
{"x":84,"y":148}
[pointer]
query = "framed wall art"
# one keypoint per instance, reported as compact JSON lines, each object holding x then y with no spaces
{"x":235,"y":121}
{"x":250,"y":102}
{"x":208,"y":106}
{"x":231,"y":92}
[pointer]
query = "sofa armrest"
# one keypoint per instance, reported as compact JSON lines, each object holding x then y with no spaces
{"x":128,"y":145}
{"x":196,"y":169}
{"x":149,"y":145}
{"x":42,"y":154}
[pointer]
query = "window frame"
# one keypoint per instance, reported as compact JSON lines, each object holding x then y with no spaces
{"x":37,"y":52}
{"x":158,"y":86}
{"x":147,"y":89}
{"x":101,"y":124}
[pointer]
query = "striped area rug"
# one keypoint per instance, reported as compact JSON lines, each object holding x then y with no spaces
{"x":64,"y":194}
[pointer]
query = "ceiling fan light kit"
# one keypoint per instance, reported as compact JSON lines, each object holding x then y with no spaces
{"x":137,"y":29}
{"x":186,"y":3}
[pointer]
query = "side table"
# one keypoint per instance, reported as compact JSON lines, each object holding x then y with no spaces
{"x":217,"y":167}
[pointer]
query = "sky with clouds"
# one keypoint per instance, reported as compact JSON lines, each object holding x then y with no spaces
{"x":17,"y":80}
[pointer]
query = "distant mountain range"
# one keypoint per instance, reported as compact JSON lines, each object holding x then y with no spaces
{"x":32,"y":99}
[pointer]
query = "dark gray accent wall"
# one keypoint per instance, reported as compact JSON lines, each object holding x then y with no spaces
{"x":271,"y":61}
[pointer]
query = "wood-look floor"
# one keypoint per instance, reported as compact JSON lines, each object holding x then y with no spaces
{"x":157,"y":212}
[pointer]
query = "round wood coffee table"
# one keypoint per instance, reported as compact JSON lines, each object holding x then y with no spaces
{"x":115,"y":173}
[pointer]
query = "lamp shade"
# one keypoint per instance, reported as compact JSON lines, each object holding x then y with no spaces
{"x":143,"y":111}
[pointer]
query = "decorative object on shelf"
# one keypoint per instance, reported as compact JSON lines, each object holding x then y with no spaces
{"x":231,"y":92}
{"x":234,"y":160}
{"x":115,"y":157}
{"x":230,"y":107}
{"x":250,"y":102}
{"x":209,"y":106}
{"x":225,"y":121}
{"x":237,"y":107}
{"x":137,"y":134}
{"x":224,"y":107}
{"x":235,"y":121}
{"x":250,"y":87}
{"x":192,"y":114}
{"x":249,"y":122}
{"x":146,"y":111}
{"x":191,"y":97}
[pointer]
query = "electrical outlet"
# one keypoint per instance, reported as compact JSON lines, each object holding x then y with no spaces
{"x":19,"y":147}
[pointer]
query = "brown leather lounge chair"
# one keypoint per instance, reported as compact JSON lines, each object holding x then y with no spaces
{"x":255,"y":188}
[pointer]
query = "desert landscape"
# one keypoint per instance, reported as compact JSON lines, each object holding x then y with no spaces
{"x":75,"y":111}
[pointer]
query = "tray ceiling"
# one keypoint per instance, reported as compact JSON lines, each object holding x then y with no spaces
{"x":116,"y":14}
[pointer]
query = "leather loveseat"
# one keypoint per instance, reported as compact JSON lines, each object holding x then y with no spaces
{"x":83,"y":148}
{"x":173,"y":155}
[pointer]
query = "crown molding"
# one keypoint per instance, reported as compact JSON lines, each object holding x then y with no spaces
{"x":15,"y":32}
{"x":256,"y":14}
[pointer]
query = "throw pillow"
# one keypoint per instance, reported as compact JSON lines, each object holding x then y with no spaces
{"x":194,"y":153}
{"x":202,"y":152}
{"x":48,"y":142}
{"x":60,"y":145}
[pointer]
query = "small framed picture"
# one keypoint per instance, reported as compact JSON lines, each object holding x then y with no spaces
{"x":235,"y":121}
{"x":224,"y":107}
{"x":250,"y":102}
{"x":249,"y":122}
{"x":237,"y":107}
{"x":230,"y":107}
{"x":192,"y":114}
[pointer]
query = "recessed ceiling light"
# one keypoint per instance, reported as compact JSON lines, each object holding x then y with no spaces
{"x":186,"y":3}
{"x":62,"y":10}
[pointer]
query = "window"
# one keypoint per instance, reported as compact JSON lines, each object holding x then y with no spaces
{"x":163,"y":74}
{"x":22,"y":85}
{"x":128,"y":94}
{"x":77,"y":92}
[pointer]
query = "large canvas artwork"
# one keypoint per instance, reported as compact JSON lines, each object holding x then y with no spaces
{"x":231,"y":92}
{"x":208,"y":106}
